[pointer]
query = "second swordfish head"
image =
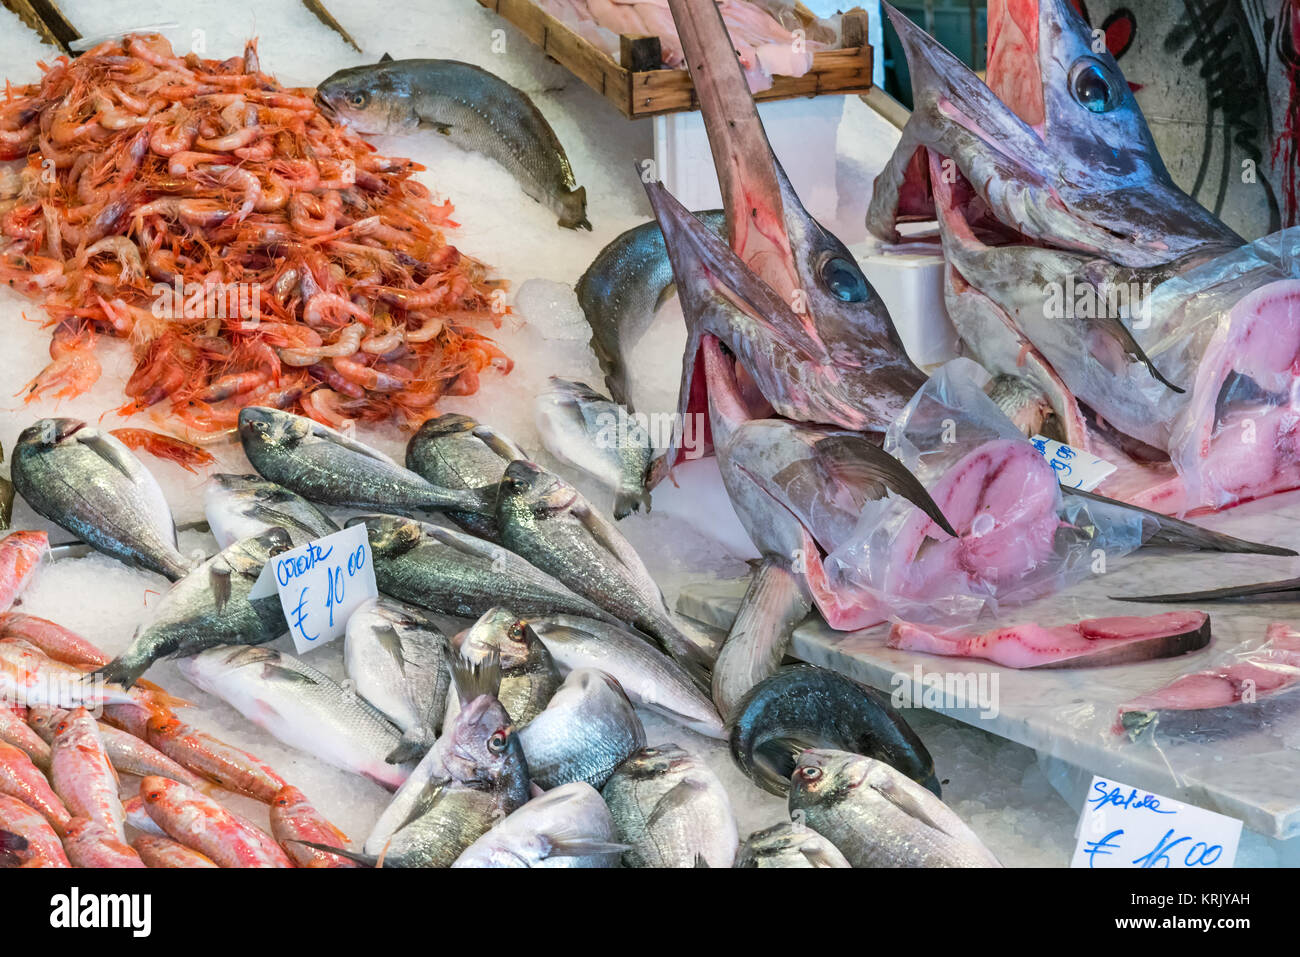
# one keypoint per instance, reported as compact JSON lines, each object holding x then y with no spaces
{"x":1053,"y":151}
{"x":841,"y":361}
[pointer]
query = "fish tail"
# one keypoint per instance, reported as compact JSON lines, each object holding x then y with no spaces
{"x":123,"y":671}
{"x":573,"y":209}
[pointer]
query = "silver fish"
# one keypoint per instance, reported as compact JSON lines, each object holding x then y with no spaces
{"x":878,"y":817}
{"x":240,"y":506}
{"x":475,"y":109}
{"x":650,"y":678}
{"x":583,"y":428}
{"x":328,"y":467}
{"x":88,"y":482}
{"x":788,"y":845}
{"x":672,"y":811}
{"x":451,"y":573}
{"x":569,"y":826}
{"x":529,"y":678}
{"x":621,"y":290}
{"x":545,"y":520}
{"x":209,"y":606}
{"x":588,"y":728}
{"x":397,"y":660}
{"x":301,"y":707}
{"x":455,"y":451}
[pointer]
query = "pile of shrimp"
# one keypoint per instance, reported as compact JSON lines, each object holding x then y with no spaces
{"x":251,"y":250}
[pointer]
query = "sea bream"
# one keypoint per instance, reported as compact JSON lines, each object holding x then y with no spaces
{"x":454,"y":451}
{"x":788,"y":845}
{"x":1074,"y":262}
{"x":529,"y":677}
{"x":88,"y":482}
{"x":240,"y":506}
{"x":568,"y":826}
{"x":588,"y":729}
{"x":475,"y":109}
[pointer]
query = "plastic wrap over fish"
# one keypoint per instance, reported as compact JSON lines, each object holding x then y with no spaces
{"x":1019,"y":539}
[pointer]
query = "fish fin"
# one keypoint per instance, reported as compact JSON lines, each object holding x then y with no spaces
{"x":574,"y":206}
{"x":602,"y":531}
{"x":675,"y":799}
{"x":121,"y":672}
{"x":815,"y":854}
{"x":1176,"y":533}
{"x":1288,"y":589}
{"x":498,"y":443}
{"x":391,"y":642}
{"x":386,"y":58}
{"x":159,"y":696}
{"x":219,"y":578}
{"x":474,"y":678}
{"x":1115,"y":327}
{"x":700,"y":861}
{"x":854,"y":462}
{"x":359,"y":857}
{"x":581,"y":847}
{"x":276,"y":517}
{"x":111,"y":450}
{"x":413,"y":744}
{"x":430,"y":795}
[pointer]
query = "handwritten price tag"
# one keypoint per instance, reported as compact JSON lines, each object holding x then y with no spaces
{"x":1125,"y":827}
{"x":320,"y":584}
{"x":1074,"y":469}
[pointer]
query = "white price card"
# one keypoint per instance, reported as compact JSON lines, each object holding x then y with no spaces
{"x":1123,"y":826}
{"x":320,"y":584}
{"x":1074,"y":468}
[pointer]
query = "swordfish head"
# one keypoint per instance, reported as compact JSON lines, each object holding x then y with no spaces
{"x":1054,"y":153}
{"x":854,"y":372}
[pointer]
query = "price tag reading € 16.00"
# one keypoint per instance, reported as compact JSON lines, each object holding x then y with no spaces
{"x":1074,"y":469}
{"x":320,"y":584}
{"x":1123,"y":826}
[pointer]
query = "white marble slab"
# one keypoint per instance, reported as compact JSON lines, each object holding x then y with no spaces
{"x":1247,"y":768}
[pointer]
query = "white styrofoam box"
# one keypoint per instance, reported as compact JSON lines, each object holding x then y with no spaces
{"x":911,"y":285}
{"x":803,"y":136}
{"x":696,"y":492}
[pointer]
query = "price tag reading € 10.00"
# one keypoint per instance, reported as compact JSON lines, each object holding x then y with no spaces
{"x":1074,"y":469}
{"x":320,"y":584}
{"x":1123,"y":826}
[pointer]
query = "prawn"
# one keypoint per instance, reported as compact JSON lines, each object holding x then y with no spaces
{"x":168,"y":447}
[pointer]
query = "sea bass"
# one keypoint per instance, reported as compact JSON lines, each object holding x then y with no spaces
{"x":588,"y":431}
{"x":586,"y":731}
{"x":475,"y":109}
{"x":241,"y":506}
{"x":671,"y":810}
{"x":210,"y":606}
{"x":397,"y":660}
{"x":328,"y":467}
{"x":878,"y":817}
{"x":454,"y":451}
{"x":301,"y":707}
{"x":88,"y":482}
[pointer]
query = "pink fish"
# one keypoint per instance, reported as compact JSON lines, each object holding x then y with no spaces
{"x":26,"y":835}
{"x":83,"y":776}
{"x":91,"y":844}
{"x":202,"y":824}
{"x":52,"y":639}
{"x":20,"y":555}
{"x":293,"y":819}
{"x":158,"y":851}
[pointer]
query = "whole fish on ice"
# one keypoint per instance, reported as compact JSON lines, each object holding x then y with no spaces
{"x":241,"y":506}
{"x":568,"y":826}
{"x":588,"y":728}
{"x":454,"y":451}
{"x":21,"y":554}
{"x":529,"y":678}
{"x":788,"y":845}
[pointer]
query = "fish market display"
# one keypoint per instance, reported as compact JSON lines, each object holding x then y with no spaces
{"x":300,"y":706}
{"x":250,"y":248}
{"x":127,"y":753}
{"x":878,"y":817}
{"x":620,"y":291}
{"x":545,"y":519}
{"x":397,"y":660}
{"x":1158,"y":337}
{"x":1084,"y":644}
{"x":671,"y":810}
{"x":20,"y":557}
{"x":1202,"y":699}
{"x":588,"y":728}
{"x":528,"y":675}
{"x":568,"y":826}
{"x":332,"y":469}
{"x":808,"y":707}
{"x":452,"y":573}
{"x":89,"y":482}
{"x":242,"y":506}
{"x":210,"y":606}
{"x":583,"y":428}
{"x":203,"y":825}
{"x":294,"y":821}
{"x":788,"y":845}
{"x":475,"y":109}
{"x":454,"y":451}
{"x":650,"y":678}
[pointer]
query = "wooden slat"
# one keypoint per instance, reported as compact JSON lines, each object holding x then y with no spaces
{"x":657,"y":91}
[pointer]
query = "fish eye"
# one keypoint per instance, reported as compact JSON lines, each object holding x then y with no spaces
{"x":358,"y":99}
{"x":497,"y":743}
{"x":844,"y":280}
{"x":1093,"y":86}
{"x":810,"y":773}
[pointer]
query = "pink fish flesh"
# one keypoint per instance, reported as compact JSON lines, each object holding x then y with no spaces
{"x":1266,"y":672}
{"x":1083,"y":644}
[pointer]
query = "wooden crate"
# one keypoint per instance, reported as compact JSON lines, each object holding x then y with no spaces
{"x":637,"y":89}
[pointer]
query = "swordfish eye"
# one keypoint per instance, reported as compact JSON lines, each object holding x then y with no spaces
{"x":844,"y":280}
{"x":1093,"y":85}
